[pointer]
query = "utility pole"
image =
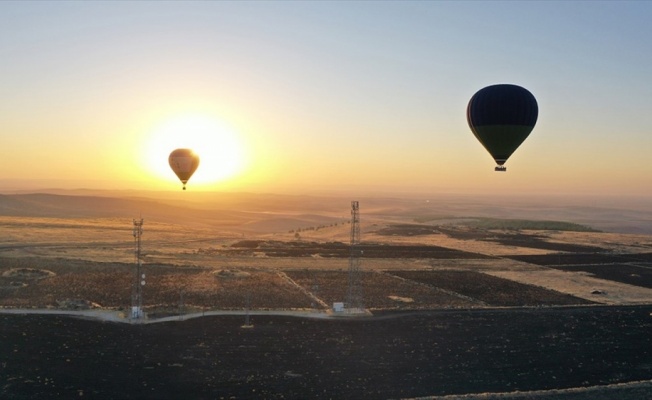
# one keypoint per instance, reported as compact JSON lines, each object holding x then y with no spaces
{"x":139,"y":276}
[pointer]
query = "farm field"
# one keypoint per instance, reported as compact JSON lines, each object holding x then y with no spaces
{"x":454,"y":307}
{"x":432,"y":270}
{"x":390,"y":355}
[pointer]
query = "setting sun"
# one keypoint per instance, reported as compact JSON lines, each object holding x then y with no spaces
{"x":219,"y":149}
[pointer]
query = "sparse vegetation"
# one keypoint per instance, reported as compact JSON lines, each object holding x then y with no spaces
{"x":380,"y":290}
{"x":480,"y":228}
{"x":490,"y":290}
{"x":208,"y":271}
{"x":217,"y":271}
{"x":28,"y":273}
{"x":524,"y":224}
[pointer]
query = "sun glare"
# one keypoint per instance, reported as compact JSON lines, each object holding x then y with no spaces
{"x":219,"y":149}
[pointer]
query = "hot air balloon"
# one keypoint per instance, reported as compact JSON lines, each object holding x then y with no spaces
{"x":184,"y":163}
{"x":501,"y":117}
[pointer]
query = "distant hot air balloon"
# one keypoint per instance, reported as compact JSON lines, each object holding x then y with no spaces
{"x":501,"y":117}
{"x":184,"y":163}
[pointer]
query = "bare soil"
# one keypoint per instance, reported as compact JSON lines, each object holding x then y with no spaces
{"x":390,"y":355}
{"x":490,"y":290}
{"x":456,"y":311}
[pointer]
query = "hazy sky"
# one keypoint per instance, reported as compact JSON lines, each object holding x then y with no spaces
{"x":322,"y":95}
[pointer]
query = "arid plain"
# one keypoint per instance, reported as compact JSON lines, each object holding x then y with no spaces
{"x":249,"y":254}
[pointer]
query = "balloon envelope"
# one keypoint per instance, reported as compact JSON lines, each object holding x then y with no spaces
{"x":184,"y":163}
{"x":501,"y":117}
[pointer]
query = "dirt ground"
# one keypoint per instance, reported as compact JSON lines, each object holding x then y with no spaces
{"x":390,"y":355}
{"x":455,"y":312}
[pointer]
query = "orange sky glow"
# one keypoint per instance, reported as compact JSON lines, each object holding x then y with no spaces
{"x":374,"y":103}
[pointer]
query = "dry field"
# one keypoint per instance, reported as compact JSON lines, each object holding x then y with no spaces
{"x":457,"y":310}
{"x":578,"y":353}
{"x":90,"y":263}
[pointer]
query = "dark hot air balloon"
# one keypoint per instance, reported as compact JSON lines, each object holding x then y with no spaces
{"x":184,"y":163}
{"x":501,"y":117}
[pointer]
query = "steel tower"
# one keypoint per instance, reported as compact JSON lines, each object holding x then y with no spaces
{"x":139,"y":276}
{"x":354,"y":301}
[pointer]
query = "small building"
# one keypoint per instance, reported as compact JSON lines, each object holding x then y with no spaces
{"x":136,"y":313}
{"x":338,"y":307}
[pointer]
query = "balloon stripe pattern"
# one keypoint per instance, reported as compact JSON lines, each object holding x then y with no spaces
{"x":501,"y":117}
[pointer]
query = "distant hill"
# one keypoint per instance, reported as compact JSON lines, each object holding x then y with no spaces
{"x":267,"y":213}
{"x":241,"y":217}
{"x":58,"y":206}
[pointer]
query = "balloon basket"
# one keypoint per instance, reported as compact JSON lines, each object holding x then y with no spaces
{"x":501,"y":168}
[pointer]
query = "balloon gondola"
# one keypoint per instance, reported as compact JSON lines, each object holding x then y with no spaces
{"x":501,"y":117}
{"x":184,"y":163}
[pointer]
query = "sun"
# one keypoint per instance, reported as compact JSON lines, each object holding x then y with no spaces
{"x":220,"y":150}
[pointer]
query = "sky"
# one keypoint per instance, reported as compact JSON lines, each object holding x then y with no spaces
{"x":305,"y":97}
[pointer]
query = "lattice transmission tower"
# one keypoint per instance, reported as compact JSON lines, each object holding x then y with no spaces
{"x":139,"y":275}
{"x":354,"y":301}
